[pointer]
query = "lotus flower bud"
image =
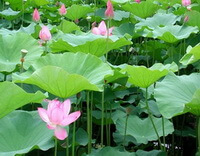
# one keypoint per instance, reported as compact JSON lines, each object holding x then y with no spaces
{"x":137,"y":1}
{"x":45,"y":34}
{"x":109,"y":11}
{"x":62,"y":10}
{"x":36,"y":15}
{"x":186,"y":2}
{"x":186,"y":18}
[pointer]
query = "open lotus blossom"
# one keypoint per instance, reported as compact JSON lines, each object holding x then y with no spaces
{"x":186,"y":2}
{"x":36,"y":15}
{"x":102,"y":29}
{"x":137,"y":1}
{"x":109,"y":11}
{"x":57,"y":116}
{"x":62,"y":10}
{"x":45,"y":34}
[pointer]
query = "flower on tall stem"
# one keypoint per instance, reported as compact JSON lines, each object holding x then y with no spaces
{"x":62,"y":10}
{"x":109,"y":11}
{"x":57,"y":116}
{"x":36,"y":15}
{"x":102,"y":29}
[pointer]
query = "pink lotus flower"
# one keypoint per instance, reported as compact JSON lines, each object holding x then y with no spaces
{"x":45,"y":34}
{"x":57,"y":116}
{"x":62,"y":10}
{"x":36,"y":15}
{"x":186,"y":18}
{"x":109,"y":11}
{"x":102,"y":29}
{"x":137,"y":1}
{"x":186,"y":2}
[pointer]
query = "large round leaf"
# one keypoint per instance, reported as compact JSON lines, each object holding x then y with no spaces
{"x":174,"y":92}
{"x":144,"y":77}
{"x":10,"y":51}
{"x":77,"y":11}
{"x":67,"y":74}
{"x":93,"y":44}
{"x":135,"y":128}
{"x":13,"y":97}
{"x":143,"y":9}
{"x":23,"y":131}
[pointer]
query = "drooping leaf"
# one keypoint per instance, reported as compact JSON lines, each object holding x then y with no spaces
{"x":192,"y":55}
{"x":93,"y":44}
{"x":174,"y":33}
{"x":150,"y":153}
{"x":10,"y":51}
{"x":144,"y":77}
{"x":194,"y":105}
{"x":143,"y":9}
{"x":22,"y":132}
{"x":74,"y":72}
{"x":174,"y":92}
{"x":9,"y":14}
{"x":135,"y":128}
{"x":13,"y":97}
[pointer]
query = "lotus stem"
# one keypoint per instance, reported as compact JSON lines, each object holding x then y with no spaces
{"x":88,"y":122}
{"x":56,"y":145}
{"x":126,"y":122}
{"x":151,"y":118}
{"x":102,"y":117}
{"x":92,"y":97}
{"x":198,"y":128}
{"x":67,"y":147}
{"x":163,"y":128}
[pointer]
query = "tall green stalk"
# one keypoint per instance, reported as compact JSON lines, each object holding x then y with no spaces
{"x":56,"y":145}
{"x":198,"y":128}
{"x":88,"y":123}
{"x":67,"y":147}
{"x":163,"y":128}
{"x":125,"y":130}
{"x":102,"y":117}
{"x":151,"y":118}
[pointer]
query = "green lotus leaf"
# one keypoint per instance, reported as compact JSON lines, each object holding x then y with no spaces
{"x":192,"y":55}
{"x":13,"y":97}
{"x":143,"y":9}
{"x":74,"y":72}
{"x":174,"y":92}
{"x":158,"y":20}
{"x":194,"y":105}
{"x":29,"y":30}
{"x":15,"y":4}
{"x":9,"y":14}
{"x":194,"y":18}
{"x":57,"y":81}
{"x":144,"y":77}
{"x":93,"y":44}
{"x":22,"y":132}
{"x":10,"y":51}
{"x":174,"y":33}
{"x":67,"y":26}
{"x":39,"y":2}
{"x":135,"y":128}
{"x":126,"y":28}
{"x":107,"y":151}
{"x":78,"y":11}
